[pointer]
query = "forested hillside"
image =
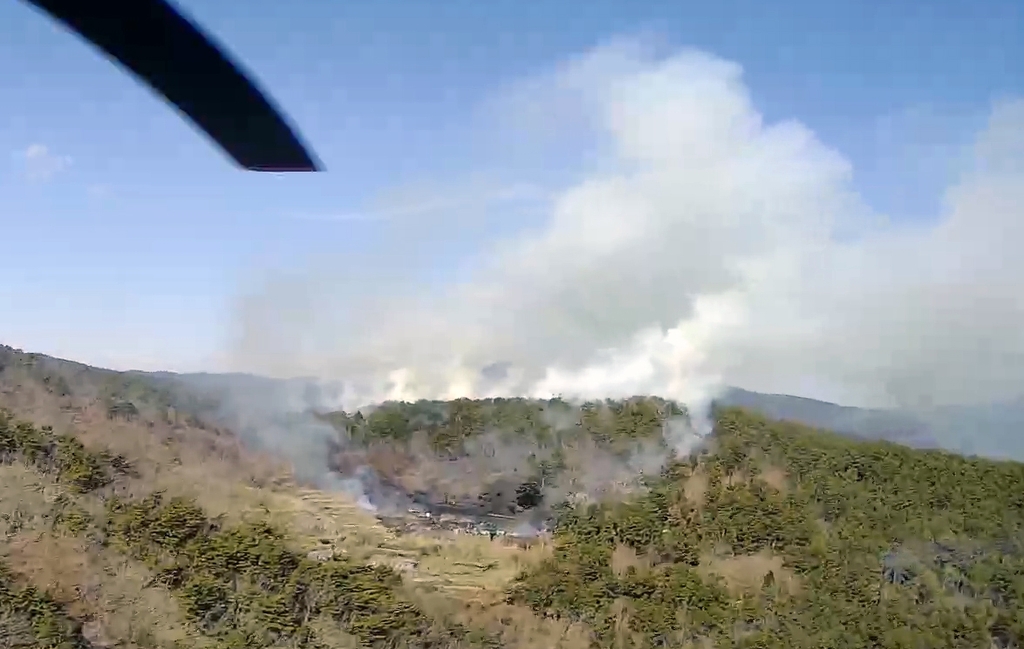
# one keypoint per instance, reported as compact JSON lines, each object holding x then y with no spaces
{"x":128,"y":520}
{"x":789,"y":537}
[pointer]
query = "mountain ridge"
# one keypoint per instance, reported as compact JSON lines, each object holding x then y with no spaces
{"x":980,"y":429}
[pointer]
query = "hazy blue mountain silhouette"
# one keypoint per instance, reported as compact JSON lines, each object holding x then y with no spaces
{"x":993,"y":430}
{"x":869,"y":423}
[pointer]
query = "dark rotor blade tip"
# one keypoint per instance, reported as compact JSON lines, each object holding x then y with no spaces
{"x":177,"y":60}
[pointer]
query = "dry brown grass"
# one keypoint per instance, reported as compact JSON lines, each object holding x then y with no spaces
{"x":775,"y":477}
{"x":696,"y":487}
{"x":182,"y":460}
{"x":25,"y":498}
{"x":745,"y":573}
{"x":456,"y":563}
{"x":625,"y":557}
{"x":462,"y":576}
{"x":452,"y":575}
{"x":625,"y":638}
{"x":57,"y":563}
{"x":215,"y":469}
{"x":223,"y":484}
{"x":471,"y":562}
{"x":101,"y":586}
{"x":516,"y":627}
{"x":95,"y":583}
{"x":736,"y":479}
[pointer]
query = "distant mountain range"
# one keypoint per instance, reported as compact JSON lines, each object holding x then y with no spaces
{"x":861,"y":422}
{"x":993,"y":430}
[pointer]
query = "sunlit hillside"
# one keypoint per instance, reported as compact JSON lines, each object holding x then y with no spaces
{"x":131,"y":516}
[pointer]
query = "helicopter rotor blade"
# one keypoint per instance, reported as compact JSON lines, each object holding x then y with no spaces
{"x":173,"y":56}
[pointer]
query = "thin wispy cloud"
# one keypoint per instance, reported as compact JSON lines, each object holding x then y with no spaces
{"x":40,"y":163}
{"x":432,"y":201}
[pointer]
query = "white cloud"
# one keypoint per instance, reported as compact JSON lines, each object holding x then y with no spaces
{"x":40,"y":163}
{"x":706,"y":247}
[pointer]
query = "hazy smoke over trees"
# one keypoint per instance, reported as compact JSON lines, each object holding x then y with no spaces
{"x":700,"y":245}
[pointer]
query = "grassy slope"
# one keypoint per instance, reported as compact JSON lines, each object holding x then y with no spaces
{"x":782,"y":537}
{"x":456,"y":580}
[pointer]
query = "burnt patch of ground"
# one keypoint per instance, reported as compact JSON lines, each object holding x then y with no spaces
{"x":515,"y":458}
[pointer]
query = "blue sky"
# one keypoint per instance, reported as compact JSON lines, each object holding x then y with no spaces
{"x":128,"y":237}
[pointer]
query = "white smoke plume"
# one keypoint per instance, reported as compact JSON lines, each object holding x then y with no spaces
{"x":698,"y":246}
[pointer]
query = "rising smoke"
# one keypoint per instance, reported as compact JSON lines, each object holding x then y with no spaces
{"x":518,"y":470}
{"x":705,"y":247}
